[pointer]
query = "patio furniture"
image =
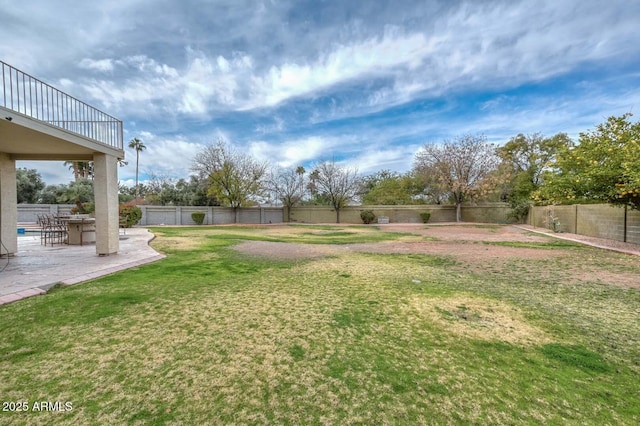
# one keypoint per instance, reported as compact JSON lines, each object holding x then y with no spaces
{"x":383,"y":219}
{"x":52,"y":230}
{"x":123,"y":223}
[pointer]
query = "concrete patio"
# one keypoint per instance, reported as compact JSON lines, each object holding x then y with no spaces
{"x":36,"y":268}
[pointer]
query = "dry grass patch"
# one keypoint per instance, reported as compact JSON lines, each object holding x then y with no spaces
{"x":479,"y":318}
{"x":278,"y":250}
{"x":213,"y":335}
{"x":188,"y":241}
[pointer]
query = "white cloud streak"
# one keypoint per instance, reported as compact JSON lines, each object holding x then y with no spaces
{"x":303,"y":68}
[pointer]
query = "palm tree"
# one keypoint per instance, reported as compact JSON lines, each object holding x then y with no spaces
{"x":139,"y":146}
{"x":81,"y":169}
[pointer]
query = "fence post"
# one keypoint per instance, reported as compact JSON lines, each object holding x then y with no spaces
{"x":143,"y":218}
{"x":178,"y":215}
{"x":575,"y":228}
{"x":624,"y":231}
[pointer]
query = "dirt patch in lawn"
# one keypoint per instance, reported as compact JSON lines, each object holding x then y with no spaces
{"x":478,"y":233}
{"x":473,"y":246}
{"x":275,"y":250}
{"x":467,"y":252}
{"x":464,"y":243}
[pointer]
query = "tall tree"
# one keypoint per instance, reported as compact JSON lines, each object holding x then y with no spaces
{"x":161,"y":190}
{"x":288,"y":186}
{"x":235,"y":178}
{"x":524,"y":159}
{"x":336,"y":184}
{"x":28,"y":184}
{"x":138,"y":146}
{"x":81,"y":169}
{"x":465,"y":167}
{"x":51,"y":194}
{"x":604,"y":166}
{"x":388,"y":188}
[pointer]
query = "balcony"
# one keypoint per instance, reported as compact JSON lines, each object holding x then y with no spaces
{"x":40,"y":122}
{"x":54,"y":115}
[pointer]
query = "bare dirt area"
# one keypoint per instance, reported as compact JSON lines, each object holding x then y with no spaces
{"x":469,"y":245}
{"x":471,"y":232}
{"x":285,"y":251}
{"x":465,"y":251}
{"x":462,"y":242}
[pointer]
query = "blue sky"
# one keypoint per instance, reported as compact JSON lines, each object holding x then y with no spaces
{"x":366,"y":83}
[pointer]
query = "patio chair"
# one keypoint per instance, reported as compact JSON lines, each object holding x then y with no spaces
{"x":41,"y":223}
{"x":54,"y":231}
{"x":123,"y":223}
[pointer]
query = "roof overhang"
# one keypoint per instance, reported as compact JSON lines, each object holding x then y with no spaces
{"x":25,"y":138}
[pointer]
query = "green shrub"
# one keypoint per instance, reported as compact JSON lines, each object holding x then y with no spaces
{"x":83,"y":208}
{"x":425,"y":216}
{"x":519,"y":210}
{"x":367,"y":216}
{"x":132,"y":212}
{"x":198,"y":217}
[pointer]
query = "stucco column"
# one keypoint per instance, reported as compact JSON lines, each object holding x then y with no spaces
{"x":8,"y":206}
{"x":105,"y":189}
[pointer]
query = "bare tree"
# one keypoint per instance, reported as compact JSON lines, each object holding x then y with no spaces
{"x":288,"y":186}
{"x":234,"y":177}
{"x":465,"y":167}
{"x":160,"y":189}
{"x":336,"y":184}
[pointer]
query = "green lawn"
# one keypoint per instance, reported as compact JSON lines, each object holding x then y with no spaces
{"x":211,"y":336}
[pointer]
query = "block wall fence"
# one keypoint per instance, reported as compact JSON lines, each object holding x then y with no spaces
{"x":181,"y":215}
{"x":594,"y":220}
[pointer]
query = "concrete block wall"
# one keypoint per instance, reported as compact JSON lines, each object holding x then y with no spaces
{"x":543,"y":216}
{"x":593,"y":220}
{"x":603,"y":221}
{"x":490,"y":213}
{"x":28,"y":213}
{"x":181,"y":215}
{"x":221,"y":216}
{"x":158,"y":215}
{"x":633,"y":226}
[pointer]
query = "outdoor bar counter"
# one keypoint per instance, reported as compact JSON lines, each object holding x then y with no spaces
{"x":82,"y":230}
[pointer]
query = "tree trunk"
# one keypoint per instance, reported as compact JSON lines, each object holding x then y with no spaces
{"x":458,"y":211}
{"x":76,"y":171}
{"x":337,"y":215}
{"x":137,"y":189}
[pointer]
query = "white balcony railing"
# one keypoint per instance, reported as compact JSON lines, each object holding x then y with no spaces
{"x":27,"y":95}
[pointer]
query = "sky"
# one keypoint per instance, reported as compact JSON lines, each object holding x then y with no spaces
{"x":295,"y":82}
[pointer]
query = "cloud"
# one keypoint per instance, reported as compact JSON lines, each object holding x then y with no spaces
{"x":102,"y":65}
{"x":395,"y":158}
{"x":296,"y":82}
{"x":171,"y":157}
{"x":295,"y":152}
{"x":474,"y":45}
{"x":366,"y":59}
